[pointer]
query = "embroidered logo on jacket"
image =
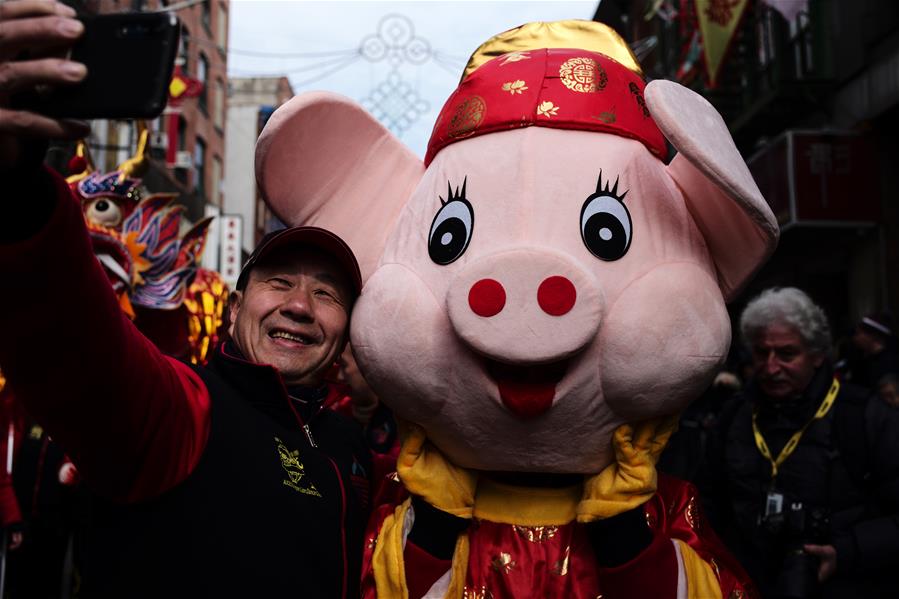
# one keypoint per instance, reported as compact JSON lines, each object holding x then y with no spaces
{"x":295,"y":470}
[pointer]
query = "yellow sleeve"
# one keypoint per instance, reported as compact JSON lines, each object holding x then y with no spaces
{"x":701,"y":580}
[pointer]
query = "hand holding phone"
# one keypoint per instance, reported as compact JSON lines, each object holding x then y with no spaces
{"x":129,"y":59}
{"x":39,"y":26}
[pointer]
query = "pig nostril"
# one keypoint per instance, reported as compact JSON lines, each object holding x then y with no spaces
{"x":487,"y":298}
{"x":556,"y":296}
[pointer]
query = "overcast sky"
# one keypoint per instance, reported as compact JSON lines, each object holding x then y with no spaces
{"x":264,"y":31}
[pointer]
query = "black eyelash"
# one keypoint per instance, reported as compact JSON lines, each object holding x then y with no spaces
{"x":613,"y":192}
{"x":451,"y":197}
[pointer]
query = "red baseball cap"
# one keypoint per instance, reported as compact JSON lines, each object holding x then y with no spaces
{"x":315,"y":237}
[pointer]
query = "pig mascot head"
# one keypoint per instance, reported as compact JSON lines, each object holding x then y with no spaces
{"x":544,"y":276}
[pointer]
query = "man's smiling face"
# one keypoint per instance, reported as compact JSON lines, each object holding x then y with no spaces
{"x":293,"y":314}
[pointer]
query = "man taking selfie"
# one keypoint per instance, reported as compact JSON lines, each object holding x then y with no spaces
{"x":230,"y":480}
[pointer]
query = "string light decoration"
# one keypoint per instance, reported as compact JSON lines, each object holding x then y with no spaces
{"x":395,"y":102}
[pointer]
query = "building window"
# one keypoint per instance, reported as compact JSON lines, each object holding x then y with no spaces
{"x":112,"y":141}
{"x":184,"y":50}
{"x":216,"y":181}
{"x":206,"y":17}
{"x":181,"y":173}
{"x":203,"y":77}
{"x":182,"y":133}
{"x":200,"y":166}
{"x":221,"y":34}
{"x":218,"y":104}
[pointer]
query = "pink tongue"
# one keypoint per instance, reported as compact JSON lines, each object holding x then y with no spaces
{"x":526,"y":399}
{"x":527,"y":391}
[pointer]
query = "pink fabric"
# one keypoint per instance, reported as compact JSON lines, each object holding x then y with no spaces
{"x":721,"y":195}
{"x":645,"y":335}
{"x":321,"y":160}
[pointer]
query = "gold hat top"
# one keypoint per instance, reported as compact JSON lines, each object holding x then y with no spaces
{"x":585,"y":35}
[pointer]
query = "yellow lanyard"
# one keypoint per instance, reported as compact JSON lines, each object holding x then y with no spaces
{"x":788,"y":449}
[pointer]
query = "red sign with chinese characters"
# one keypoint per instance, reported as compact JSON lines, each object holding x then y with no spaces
{"x":820,"y":178}
{"x":835,"y":178}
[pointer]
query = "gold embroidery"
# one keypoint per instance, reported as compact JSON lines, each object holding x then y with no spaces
{"x":641,"y":102}
{"x":514,"y":57}
{"x":36,"y":432}
{"x":607,"y":117}
{"x":481,"y":593}
{"x":503,"y":563}
{"x":295,"y":470}
{"x":714,"y":566}
{"x":560,"y":568}
{"x":692,"y":514}
{"x":467,"y":117}
{"x":583,"y":75}
{"x":721,"y":12}
{"x":547,"y":109}
{"x":536,"y":534}
{"x":515,"y":87}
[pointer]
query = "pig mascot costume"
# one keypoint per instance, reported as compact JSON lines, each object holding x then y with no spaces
{"x":544,"y":294}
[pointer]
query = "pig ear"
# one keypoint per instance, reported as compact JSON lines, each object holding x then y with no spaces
{"x":738,"y":226}
{"x":322,"y":160}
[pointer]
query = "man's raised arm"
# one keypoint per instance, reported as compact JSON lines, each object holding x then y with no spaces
{"x":133,"y":421}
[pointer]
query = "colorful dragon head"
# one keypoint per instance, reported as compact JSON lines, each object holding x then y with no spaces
{"x":148,"y":262}
{"x":152,"y":267}
{"x":107,"y":199}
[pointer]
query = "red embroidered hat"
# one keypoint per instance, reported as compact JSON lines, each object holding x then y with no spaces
{"x":550,"y":86}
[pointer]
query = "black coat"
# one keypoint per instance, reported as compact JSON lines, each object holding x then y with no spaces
{"x":845,"y":470}
{"x":265,"y":512}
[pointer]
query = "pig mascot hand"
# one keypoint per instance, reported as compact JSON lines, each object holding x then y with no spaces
{"x":543,"y":296}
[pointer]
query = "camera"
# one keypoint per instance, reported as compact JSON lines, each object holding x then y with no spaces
{"x":790,"y":525}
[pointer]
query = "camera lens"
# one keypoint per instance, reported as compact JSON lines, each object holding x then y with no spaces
{"x":798,"y":577}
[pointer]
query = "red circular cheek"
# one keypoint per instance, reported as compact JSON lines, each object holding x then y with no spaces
{"x":556,"y":296}
{"x":487,"y":298}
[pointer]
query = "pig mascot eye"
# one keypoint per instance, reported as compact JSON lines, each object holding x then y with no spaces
{"x":451,"y":229}
{"x":606,"y":223}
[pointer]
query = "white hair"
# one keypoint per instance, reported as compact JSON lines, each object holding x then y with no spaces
{"x":788,"y":306}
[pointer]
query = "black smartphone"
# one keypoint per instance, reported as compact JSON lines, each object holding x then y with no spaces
{"x":129,"y":59}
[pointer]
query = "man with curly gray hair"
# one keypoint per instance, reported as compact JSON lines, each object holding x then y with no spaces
{"x":788,"y":337}
{"x":810,"y":465}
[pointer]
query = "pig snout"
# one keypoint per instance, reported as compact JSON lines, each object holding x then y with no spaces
{"x":526,"y":312}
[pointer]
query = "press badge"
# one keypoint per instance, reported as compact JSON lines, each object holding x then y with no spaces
{"x":774,"y":503}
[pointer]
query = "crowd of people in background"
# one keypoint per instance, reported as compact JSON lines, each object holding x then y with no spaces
{"x":795,"y":451}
